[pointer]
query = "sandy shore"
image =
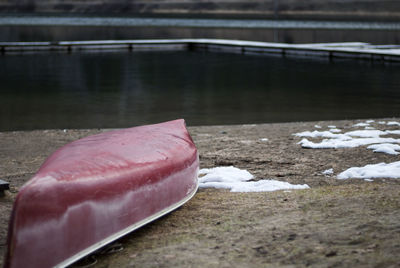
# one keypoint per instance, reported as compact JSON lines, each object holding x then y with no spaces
{"x":346,"y":223}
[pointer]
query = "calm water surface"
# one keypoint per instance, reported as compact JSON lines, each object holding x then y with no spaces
{"x":87,"y":90}
{"x":24,"y":28}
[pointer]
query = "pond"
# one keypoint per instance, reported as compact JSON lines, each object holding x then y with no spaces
{"x":123,"y":89}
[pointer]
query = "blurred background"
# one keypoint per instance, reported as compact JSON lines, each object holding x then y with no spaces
{"x":122,"y":89}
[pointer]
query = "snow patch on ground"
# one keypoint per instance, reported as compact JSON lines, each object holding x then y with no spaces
{"x":344,"y":143}
{"x":381,"y":170}
{"x":335,"y":130}
{"x":350,"y":139}
{"x":361,"y":125}
{"x":366,"y":133}
{"x":237,"y":180}
{"x":393,"y":123}
{"x":394,"y":132}
{"x":247,"y":142}
{"x":369,"y":136}
{"x":318,"y":134}
{"x":328,"y":172}
{"x":387,"y":148}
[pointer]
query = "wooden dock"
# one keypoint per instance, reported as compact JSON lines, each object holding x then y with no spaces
{"x":354,"y":50}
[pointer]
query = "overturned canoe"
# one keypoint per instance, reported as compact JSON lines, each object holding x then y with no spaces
{"x":96,"y":189}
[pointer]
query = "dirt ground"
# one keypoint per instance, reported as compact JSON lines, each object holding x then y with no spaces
{"x":335,"y":223}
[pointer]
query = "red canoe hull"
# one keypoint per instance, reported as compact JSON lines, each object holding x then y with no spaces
{"x":94,"y":190}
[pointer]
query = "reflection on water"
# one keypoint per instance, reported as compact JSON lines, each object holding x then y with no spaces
{"x":25,"y":28}
{"x":124,"y":89}
{"x":74,"y":33}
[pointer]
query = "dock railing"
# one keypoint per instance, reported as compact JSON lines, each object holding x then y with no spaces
{"x":355,"y":50}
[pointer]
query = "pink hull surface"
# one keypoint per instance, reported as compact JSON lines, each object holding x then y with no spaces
{"x":94,"y":190}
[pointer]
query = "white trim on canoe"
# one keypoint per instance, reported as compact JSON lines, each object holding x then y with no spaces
{"x":125,"y":231}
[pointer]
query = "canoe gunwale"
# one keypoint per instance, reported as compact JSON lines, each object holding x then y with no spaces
{"x":127,"y":230}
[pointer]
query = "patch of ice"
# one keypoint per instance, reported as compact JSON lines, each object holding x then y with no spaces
{"x":331,"y":126}
{"x":368,"y":136}
{"x":224,"y":174}
{"x":381,"y":122}
{"x":347,"y":139}
{"x":317,"y":126}
{"x":381,"y":170}
{"x":321,"y":134}
{"x":335,"y":130}
{"x":395,"y":132}
{"x":393,"y":123}
{"x":387,"y":148}
{"x":328,"y":172}
{"x":345,"y":136}
{"x":342,"y":143}
{"x":368,"y":180}
{"x":264,"y":139}
{"x":264,"y":186}
{"x":366,"y":133}
{"x":237,"y":180}
{"x":361,"y":125}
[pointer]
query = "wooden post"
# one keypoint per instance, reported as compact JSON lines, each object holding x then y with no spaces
{"x":276,"y":9}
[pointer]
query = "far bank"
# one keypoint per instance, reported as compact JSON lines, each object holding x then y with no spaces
{"x":364,"y":10}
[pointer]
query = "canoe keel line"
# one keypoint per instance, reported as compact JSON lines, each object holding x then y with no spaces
{"x":95,"y":190}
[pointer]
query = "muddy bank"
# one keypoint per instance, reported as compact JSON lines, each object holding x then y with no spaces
{"x":343,"y":223}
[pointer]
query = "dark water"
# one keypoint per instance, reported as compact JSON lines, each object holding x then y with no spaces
{"x":77,"y":33}
{"x":87,"y":90}
{"x":25,"y":28}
